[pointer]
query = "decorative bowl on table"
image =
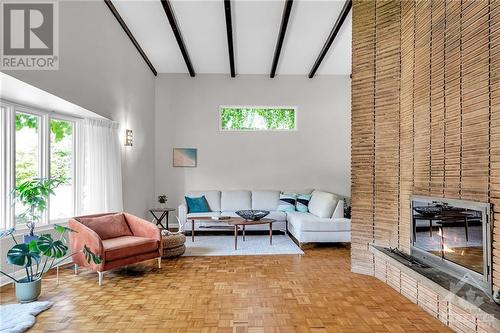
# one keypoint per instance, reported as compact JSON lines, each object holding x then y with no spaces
{"x":252,"y":215}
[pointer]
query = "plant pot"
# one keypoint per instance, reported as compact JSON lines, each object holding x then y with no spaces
{"x":27,"y":238}
{"x":28,"y":291}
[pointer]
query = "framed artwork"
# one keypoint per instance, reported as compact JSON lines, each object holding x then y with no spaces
{"x":185,"y":157}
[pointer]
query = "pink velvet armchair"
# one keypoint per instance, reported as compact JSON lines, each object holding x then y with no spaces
{"x":120,"y":239}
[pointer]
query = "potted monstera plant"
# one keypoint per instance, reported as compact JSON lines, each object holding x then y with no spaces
{"x":34,"y":194}
{"x":37,"y":257}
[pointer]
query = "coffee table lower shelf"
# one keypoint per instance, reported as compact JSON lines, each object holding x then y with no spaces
{"x":237,"y":223}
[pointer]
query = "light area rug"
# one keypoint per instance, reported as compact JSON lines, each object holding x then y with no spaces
{"x":16,"y":318}
{"x":253,"y":245}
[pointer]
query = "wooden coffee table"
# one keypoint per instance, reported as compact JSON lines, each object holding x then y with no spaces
{"x":236,"y":222}
{"x":204,"y":218}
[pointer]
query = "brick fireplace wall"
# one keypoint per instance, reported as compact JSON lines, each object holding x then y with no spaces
{"x":425,"y":115}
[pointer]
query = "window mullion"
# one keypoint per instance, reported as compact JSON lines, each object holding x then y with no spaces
{"x":76,"y":168}
{"x":4,"y":222}
{"x":7,"y":166}
{"x":10,"y":183}
{"x":45,"y":158}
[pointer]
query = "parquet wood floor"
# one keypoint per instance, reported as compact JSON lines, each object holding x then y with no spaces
{"x":313,"y":293}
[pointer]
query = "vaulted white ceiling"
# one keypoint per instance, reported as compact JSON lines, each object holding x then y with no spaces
{"x":256,"y":26}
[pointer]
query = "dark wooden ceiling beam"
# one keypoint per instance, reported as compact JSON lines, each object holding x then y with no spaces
{"x":130,"y":35}
{"x":338,"y":24}
{"x":178,"y":36}
{"x":281,"y":36}
{"x":229,"y":29}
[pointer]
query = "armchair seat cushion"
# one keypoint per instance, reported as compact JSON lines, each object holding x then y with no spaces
{"x":127,"y":246}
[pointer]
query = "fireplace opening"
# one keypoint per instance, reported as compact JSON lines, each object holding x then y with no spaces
{"x":453,"y":236}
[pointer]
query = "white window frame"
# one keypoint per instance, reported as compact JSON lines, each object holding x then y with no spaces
{"x":294,"y":108}
{"x":8,"y":159}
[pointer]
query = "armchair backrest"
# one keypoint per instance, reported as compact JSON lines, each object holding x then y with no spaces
{"x":92,"y":215}
{"x":107,"y":225}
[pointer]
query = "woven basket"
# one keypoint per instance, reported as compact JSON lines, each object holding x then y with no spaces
{"x":173,"y":245}
{"x":174,"y":252}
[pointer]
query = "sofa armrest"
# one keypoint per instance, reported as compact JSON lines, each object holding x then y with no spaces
{"x":182,"y":209}
{"x":142,"y":228}
{"x":84,"y":236}
{"x":339,"y":210}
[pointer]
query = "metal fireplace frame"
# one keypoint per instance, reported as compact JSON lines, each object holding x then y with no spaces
{"x":482,"y":281}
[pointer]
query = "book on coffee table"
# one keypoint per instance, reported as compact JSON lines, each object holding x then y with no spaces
{"x":220,"y":218}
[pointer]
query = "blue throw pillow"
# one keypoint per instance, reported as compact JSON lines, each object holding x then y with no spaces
{"x":287,"y":202}
{"x":197,"y":205}
{"x":303,"y":202}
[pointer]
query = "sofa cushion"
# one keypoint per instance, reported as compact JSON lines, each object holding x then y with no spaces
{"x":273,"y":214}
{"x":108,"y":226}
{"x":322,"y":204}
{"x":302,"y":202}
{"x":235,"y":200}
{"x":127,"y":246}
{"x":309,"y":222}
{"x":287,"y":202}
{"x":190,"y":215}
{"x":213,"y":198}
{"x":276,"y":215}
{"x":265,"y":200}
{"x":197,"y":205}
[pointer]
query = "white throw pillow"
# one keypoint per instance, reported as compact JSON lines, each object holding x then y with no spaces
{"x":322,"y":204}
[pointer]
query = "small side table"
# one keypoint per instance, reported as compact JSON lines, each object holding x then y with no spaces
{"x":159,"y":214}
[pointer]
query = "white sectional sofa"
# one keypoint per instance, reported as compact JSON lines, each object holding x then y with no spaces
{"x":324,"y":222}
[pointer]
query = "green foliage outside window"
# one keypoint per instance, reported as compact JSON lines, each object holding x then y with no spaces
{"x":59,"y":128}
{"x":257,"y":119}
{"x":26,"y":120}
{"x":61,"y":159}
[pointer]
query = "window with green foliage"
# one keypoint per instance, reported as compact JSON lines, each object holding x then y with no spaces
{"x":43,"y":146}
{"x":61,"y":167}
{"x":29,"y":141}
{"x":258,"y":118}
{"x":28,"y":149}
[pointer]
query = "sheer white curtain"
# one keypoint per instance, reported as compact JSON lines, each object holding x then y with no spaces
{"x":101,"y":167}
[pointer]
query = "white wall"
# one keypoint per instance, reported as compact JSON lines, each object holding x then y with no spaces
{"x":102,"y":71}
{"x":315,"y":156}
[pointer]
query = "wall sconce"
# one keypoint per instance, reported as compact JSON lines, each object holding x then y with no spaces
{"x":128,"y":137}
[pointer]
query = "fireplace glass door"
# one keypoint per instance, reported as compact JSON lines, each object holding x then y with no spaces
{"x":451,"y":232}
